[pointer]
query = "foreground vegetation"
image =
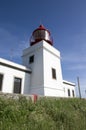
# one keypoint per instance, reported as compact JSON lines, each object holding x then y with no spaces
{"x":45,"y":114}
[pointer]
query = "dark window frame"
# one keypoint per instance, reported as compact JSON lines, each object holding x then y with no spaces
{"x":31,"y":59}
{"x":1,"y":81}
{"x":53,"y":73}
{"x":17,"y":85}
{"x":68,"y":92}
{"x":73,"y":93}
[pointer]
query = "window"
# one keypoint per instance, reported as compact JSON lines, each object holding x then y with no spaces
{"x":73,"y":93}
{"x":1,"y":80}
{"x":31,"y":59}
{"x":53,"y":73}
{"x":69,"y":92}
{"x":17,"y":85}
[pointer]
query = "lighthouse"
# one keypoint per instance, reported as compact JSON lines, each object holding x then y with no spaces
{"x":41,"y":72}
{"x":44,"y":61}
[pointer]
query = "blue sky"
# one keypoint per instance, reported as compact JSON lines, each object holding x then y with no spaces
{"x":66,"y":19}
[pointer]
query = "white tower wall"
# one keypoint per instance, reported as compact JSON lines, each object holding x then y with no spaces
{"x":46,"y":57}
{"x":51,"y":57}
{"x":36,"y":80}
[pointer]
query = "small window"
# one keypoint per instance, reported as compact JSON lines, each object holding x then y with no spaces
{"x":53,"y":73}
{"x":73,"y":93}
{"x":1,"y":80}
{"x":31,"y":59}
{"x":69,"y":92}
{"x":17,"y":85}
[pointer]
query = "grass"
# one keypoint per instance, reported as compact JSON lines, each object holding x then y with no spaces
{"x":45,"y":114}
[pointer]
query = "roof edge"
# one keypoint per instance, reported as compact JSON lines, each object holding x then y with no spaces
{"x":69,"y":83}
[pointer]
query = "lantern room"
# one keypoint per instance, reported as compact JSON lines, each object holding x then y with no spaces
{"x":39,"y":34}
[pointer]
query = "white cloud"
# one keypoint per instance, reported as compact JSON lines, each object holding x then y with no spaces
{"x":6,"y":38}
{"x":77,"y":67}
{"x":75,"y":48}
{"x":11,"y":45}
{"x":74,"y":60}
{"x":75,"y":56}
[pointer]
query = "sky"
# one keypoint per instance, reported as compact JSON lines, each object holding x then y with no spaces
{"x":65,"y":19}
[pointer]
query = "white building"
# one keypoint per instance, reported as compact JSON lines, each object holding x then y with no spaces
{"x":40,"y":73}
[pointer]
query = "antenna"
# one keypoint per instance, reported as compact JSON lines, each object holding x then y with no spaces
{"x":79,"y":87}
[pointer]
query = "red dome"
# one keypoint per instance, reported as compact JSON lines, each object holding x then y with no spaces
{"x":41,"y":27}
{"x":39,"y":34}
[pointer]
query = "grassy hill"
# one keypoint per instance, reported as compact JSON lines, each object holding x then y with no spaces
{"x":45,"y":114}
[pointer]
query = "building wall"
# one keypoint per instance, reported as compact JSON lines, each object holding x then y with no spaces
{"x":69,"y":86}
{"x":52,"y":86}
{"x":36,"y":80}
{"x":46,"y":57}
{"x":53,"y":92}
{"x":8,"y":79}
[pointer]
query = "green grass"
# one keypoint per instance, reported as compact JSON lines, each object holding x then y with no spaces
{"x":45,"y":114}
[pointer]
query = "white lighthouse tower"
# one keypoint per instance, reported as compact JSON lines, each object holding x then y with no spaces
{"x":44,"y":61}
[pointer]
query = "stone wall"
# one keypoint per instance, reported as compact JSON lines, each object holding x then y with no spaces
{"x":18,"y":96}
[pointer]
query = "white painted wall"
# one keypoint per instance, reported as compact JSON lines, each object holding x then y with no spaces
{"x":36,"y":80}
{"x":52,"y":86}
{"x":68,"y":85}
{"x":10,"y":73}
{"x":52,"y":60}
{"x":46,"y":57}
{"x":53,"y":92}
